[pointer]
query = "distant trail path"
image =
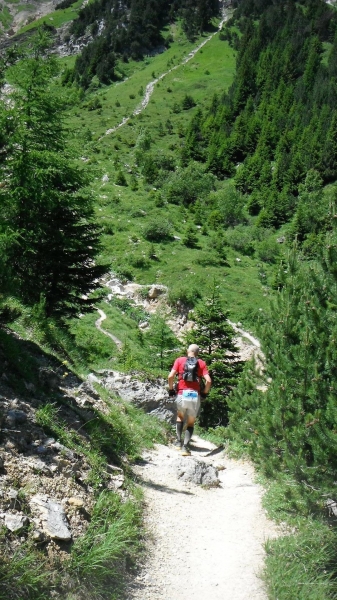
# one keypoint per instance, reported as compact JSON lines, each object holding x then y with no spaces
{"x":98,"y":324}
{"x":150,"y":86}
{"x":203,"y":544}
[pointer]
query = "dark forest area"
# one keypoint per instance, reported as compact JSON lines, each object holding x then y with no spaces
{"x":131,"y":29}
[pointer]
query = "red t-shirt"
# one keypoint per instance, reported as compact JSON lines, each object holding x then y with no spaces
{"x":179,"y":365}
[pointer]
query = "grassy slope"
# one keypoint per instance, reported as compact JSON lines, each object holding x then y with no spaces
{"x":118,"y":207}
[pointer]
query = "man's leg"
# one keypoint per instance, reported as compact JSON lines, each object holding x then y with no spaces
{"x":179,"y":428}
{"x":189,"y":430}
{"x":188,"y":435}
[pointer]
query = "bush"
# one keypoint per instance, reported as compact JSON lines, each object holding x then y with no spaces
{"x":188,"y":102}
{"x":124,"y":273}
{"x":241,"y":238}
{"x":268,"y":250}
{"x":184,"y":293}
{"x":158,"y":230}
{"x":229,"y":205}
{"x":187,"y":185}
{"x":120,"y":179}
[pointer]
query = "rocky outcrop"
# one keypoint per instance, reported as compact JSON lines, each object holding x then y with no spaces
{"x":151,"y":396}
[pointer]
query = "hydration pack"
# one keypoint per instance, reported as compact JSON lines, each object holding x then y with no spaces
{"x":190,"y":372}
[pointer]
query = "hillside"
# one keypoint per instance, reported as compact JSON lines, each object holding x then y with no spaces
{"x":172,"y":164}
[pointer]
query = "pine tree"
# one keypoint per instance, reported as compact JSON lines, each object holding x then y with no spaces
{"x":161,"y":341}
{"x":214,"y":336}
{"x":45,"y":206}
{"x":292,"y":426}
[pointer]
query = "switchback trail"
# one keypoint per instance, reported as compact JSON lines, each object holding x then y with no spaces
{"x":201,"y":543}
{"x":150,"y":86}
{"x":98,"y":324}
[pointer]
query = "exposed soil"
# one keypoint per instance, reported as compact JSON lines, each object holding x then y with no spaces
{"x":202,"y":543}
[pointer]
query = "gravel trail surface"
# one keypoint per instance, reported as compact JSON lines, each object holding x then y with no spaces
{"x":202,"y":543}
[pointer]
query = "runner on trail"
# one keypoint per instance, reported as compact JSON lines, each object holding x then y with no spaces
{"x":190,"y":371}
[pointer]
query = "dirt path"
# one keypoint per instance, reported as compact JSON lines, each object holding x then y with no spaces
{"x":203,"y":544}
{"x":98,"y":324}
{"x":150,"y":86}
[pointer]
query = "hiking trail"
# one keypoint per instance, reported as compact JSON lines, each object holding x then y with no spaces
{"x":151,"y":86}
{"x":98,"y":324}
{"x":201,"y":543}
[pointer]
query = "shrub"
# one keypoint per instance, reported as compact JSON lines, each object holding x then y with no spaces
{"x":158,"y":230}
{"x":268,"y":250}
{"x":94,"y":104}
{"x":120,"y":178}
{"x":187,"y":185}
{"x":241,"y":238}
{"x":188,"y":102}
{"x":184,"y":293}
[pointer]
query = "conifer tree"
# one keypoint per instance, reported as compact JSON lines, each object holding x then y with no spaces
{"x":214,"y":336}
{"x":45,"y":205}
{"x":292,"y":426}
{"x":161,"y":341}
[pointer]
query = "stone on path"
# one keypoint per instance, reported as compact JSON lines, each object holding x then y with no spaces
{"x":196,"y":471}
{"x":53,"y":517}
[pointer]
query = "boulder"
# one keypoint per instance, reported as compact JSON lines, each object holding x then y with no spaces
{"x":15,"y":522}
{"x":196,"y":471}
{"x":16,"y":416}
{"x":54,"y":520}
{"x":156,"y":290}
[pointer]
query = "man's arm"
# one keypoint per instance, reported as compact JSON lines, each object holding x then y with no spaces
{"x":208,"y":383}
{"x":170,"y":378}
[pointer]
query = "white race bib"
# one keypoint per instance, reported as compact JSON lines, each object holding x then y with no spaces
{"x":189,"y":399}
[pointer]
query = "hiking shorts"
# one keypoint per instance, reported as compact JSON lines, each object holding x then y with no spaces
{"x":188,"y":405}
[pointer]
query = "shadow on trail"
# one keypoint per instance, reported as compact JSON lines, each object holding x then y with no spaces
{"x":163,"y":488}
{"x":198,"y":448}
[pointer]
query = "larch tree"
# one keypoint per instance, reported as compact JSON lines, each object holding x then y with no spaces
{"x":215,"y":338}
{"x":45,"y":205}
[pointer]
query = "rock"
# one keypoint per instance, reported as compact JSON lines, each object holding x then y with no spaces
{"x":105,"y":178}
{"x":39,"y":466}
{"x":93,"y":379}
{"x":116,"y":482}
{"x":12,"y":494}
{"x":63,"y":449}
{"x":150,"y":396}
{"x":48,"y":378}
{"x":53,"y":517}
{"x":15,"y":522}
{"x":76,"y":502}
{"x":176,"y":238}
{"x":113,"y":469}
{"x":281,"y":239}
{"x":38,"y":536}
{"x":143,"y":325}
{"x":16,"y":416}
{"x":196,"y":471}
{"x":332,"y":507}
{"x":156,"y":290}
{"x":238,"y":259}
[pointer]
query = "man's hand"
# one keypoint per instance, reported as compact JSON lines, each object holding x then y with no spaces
{"x":171,"y":393}
{"x":203,"y":396}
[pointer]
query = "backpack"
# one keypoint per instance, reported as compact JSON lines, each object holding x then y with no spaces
{"x":190,"y":372}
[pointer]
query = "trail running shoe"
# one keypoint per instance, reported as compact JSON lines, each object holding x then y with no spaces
{"x":178,"y":444}
{"x":185,"y":451}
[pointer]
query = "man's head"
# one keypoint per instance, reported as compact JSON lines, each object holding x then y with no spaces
{"x":193,"y":350}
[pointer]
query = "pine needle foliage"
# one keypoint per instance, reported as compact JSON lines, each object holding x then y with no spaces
{"x":215,"y":338}
{"x":46,"y":211}
{"x":292,"y":426}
